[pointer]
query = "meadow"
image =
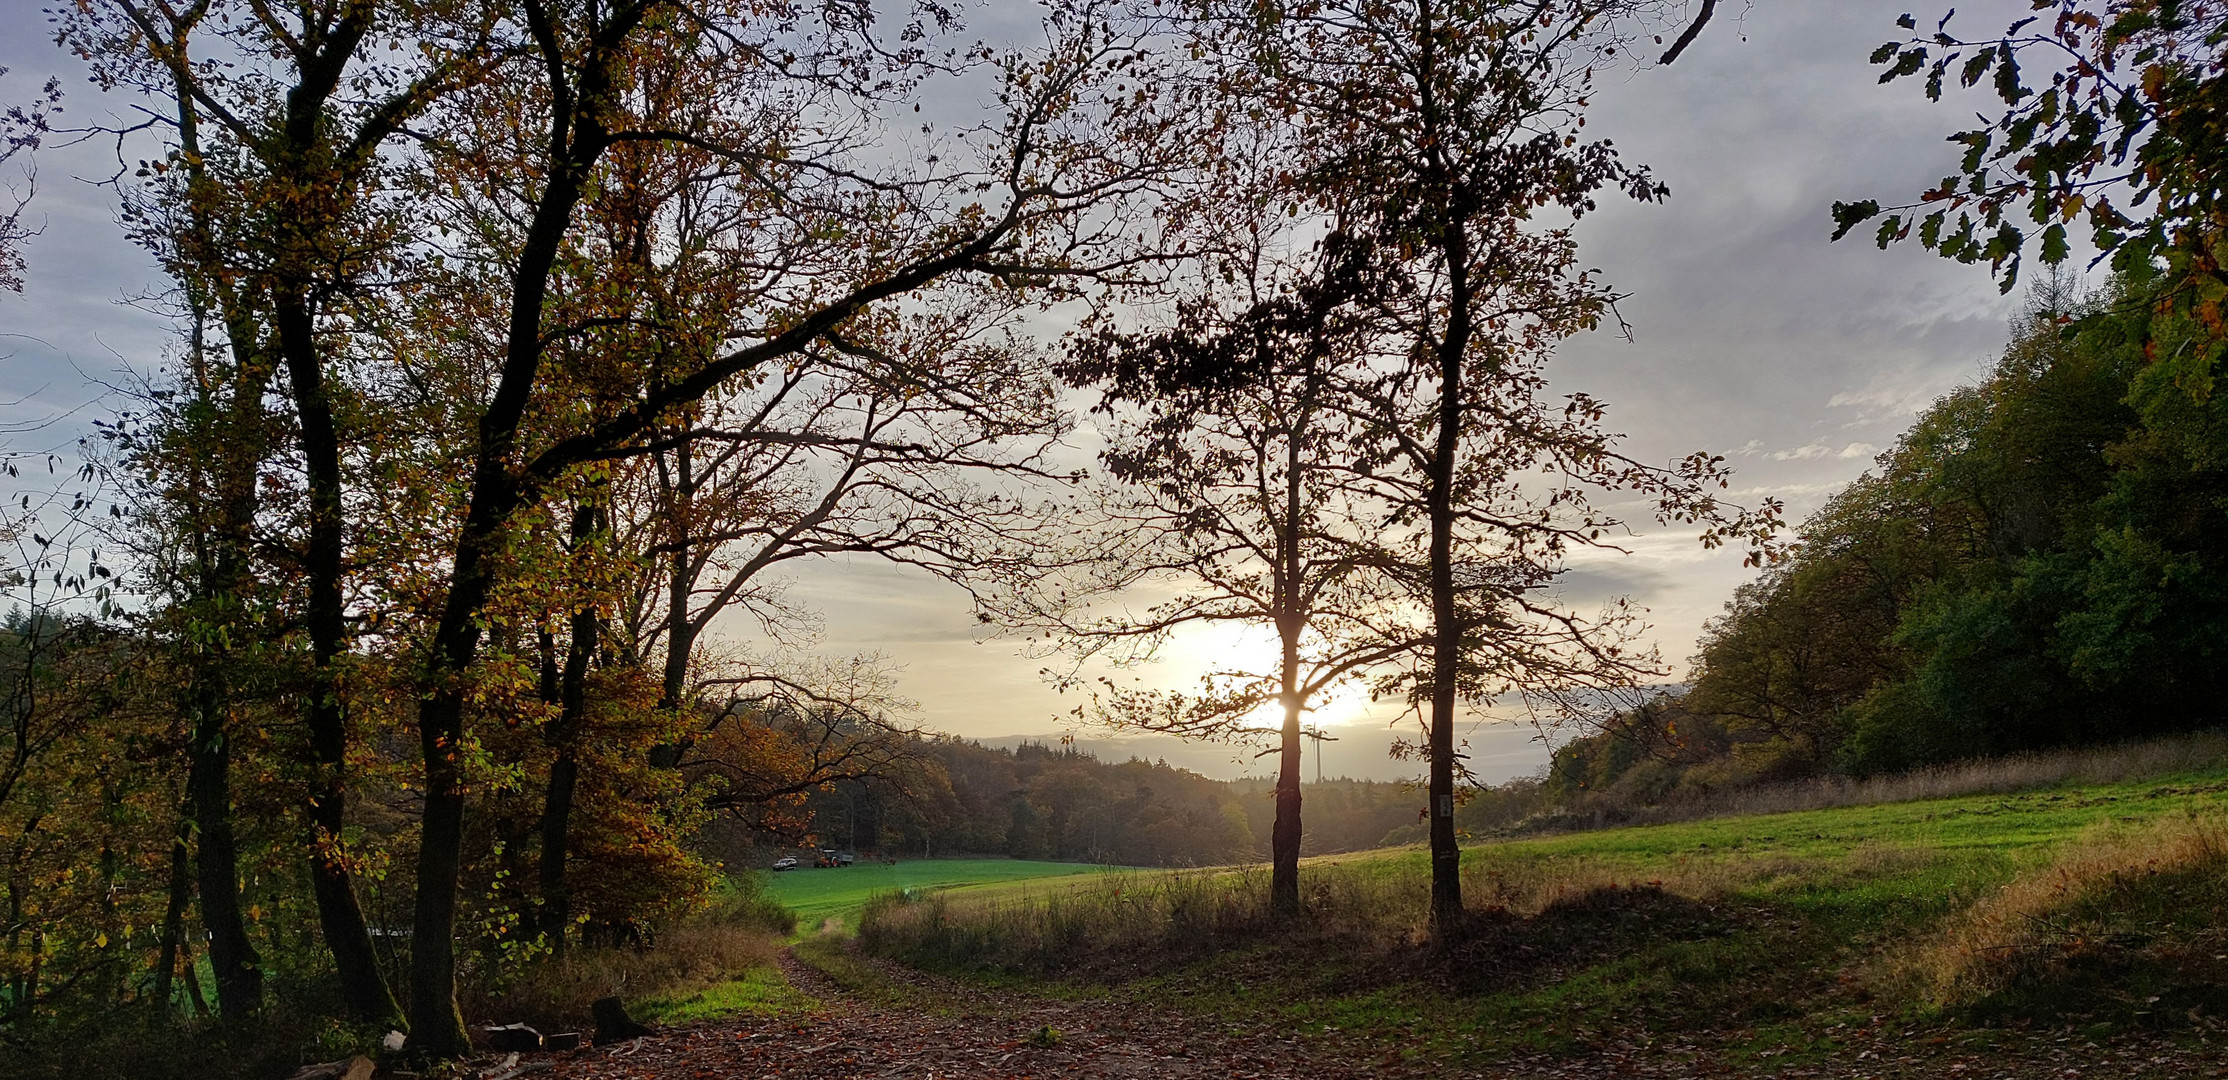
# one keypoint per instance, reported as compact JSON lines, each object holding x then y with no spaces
{"x":2095,"y":907}
{"x":818,"y":895}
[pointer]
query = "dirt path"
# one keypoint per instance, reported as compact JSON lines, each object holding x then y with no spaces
{"x":917,"y":1026}
{"x":933,"y":1028}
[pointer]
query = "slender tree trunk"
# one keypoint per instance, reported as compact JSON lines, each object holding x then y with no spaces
{"x":237,"y":440}
{"x":556,"y":919}
{"x":436,"y":1023}
{"x":1446,"y":611}
{"x":237,"y":966}
{"x":1284,"y":836}
{"x":340,"y":916}
{"x":18,"y":989}
{"x":174,"y":913}
{"x":564,"y":772}
{"x":680,"y":630}
{"x":191,"y":969}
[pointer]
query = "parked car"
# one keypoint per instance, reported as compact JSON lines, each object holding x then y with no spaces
{"x":786,"y":862}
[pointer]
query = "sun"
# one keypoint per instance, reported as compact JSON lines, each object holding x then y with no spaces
{"x":1251,"y":650}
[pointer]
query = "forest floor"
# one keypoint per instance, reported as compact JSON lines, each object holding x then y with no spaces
{"x":870,"y":1018}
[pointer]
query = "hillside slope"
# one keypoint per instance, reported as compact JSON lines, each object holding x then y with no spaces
{"x":2082,"y":911}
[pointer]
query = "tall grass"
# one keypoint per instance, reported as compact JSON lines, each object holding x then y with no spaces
{"x":2118,"y":897}
{"x":2117,"y":764}
{"x":1120,"y":923}
{"x":1080,"y":926}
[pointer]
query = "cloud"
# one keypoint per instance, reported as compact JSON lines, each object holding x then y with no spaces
{"x":1602,"y":582}
{"x":1789,"y":490}
{"x":1891,"y":401}
{"x":1743,"y":317}
{"x":1811,"y":451}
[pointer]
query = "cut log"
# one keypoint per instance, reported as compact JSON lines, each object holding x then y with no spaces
{"x":513,"y":1039}
{"x":613,"y":1025}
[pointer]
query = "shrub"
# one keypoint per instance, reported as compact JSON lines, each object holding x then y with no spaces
{"x":740,"y":931}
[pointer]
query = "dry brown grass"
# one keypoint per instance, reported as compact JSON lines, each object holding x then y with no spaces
{"x":554,"y":995}
{"x":2107,"y":892}
{"x":1116,"y":922}
{"x":2123,"y":763}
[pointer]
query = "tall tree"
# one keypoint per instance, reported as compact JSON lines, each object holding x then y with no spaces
{"x":1233,"y":470}
{"x":1443,"y":132}
{"x":839,"y":240}
{"x":280,"y":216}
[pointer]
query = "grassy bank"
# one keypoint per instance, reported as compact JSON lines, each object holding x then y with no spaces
{"x":2097,"y":905}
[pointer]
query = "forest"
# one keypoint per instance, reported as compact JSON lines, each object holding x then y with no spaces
{"x":1053,"y":802}
{"x":2034,"y":565}
{"x":416,"y":623}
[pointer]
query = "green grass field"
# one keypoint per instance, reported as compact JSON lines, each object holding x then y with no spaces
{"x":1764,"y":935}
{"x":818,"y":895}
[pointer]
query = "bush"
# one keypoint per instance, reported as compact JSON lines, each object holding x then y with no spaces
{"x":143,"y":1045}
{"x":738,"y":933}
{"x":741,"y":900}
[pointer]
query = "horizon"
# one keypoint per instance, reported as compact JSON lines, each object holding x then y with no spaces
{"x":1751,"y":337}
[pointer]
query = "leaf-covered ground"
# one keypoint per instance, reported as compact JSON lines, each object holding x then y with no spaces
{"x":871,"y":1019}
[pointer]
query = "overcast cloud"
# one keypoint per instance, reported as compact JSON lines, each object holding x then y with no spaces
{"x":1752,"y":336}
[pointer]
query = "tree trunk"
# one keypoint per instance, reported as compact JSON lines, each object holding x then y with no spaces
{"x":19,"y":994}
{"x":238,"y":968}
{"x":363,"y":989}
{"x":680,"y":631}
{"x":436,"y":1023}
{"x":1284,"y":836}
{"x":564,"y":772}
{"x":174,"y":912}
{"x":1446,"y":611}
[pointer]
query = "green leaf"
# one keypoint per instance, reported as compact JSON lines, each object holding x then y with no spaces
{"x":1976,"y":148}
{"x":1907,"y":64}
{"x":1976,"y":67}
{"x":2008,"y":85}
{"x":1849,"y":215}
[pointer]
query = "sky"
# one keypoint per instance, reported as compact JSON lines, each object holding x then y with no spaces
{"x":1750,"y":336}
